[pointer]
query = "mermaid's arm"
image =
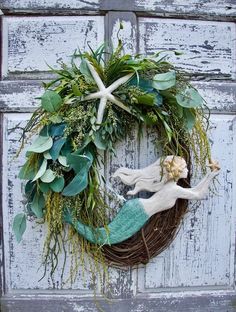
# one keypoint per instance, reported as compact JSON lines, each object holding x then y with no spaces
{"x":199,"y":191}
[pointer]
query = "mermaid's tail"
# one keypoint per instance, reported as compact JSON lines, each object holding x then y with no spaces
{"x":127,"y":222}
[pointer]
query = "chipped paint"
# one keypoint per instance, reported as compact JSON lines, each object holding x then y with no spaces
{"x":205,"y":50}
{"x":197,"y":271}
{"x":195,"y":7}
{"x":49,"y":40}
{"x":55,"y":4}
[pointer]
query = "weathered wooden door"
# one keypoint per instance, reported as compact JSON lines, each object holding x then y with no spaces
{"x":196,"y":273}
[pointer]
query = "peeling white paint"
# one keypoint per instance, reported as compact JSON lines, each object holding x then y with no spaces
{"x":56,"y":4}
{"x":48,"y":40}
{"x":196,"y":7}
{"x":207,"y":47}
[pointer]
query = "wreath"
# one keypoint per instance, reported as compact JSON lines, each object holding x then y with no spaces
{"x":87,"y":109}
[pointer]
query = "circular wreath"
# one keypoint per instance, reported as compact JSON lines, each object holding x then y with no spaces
{"x":87,"y":109}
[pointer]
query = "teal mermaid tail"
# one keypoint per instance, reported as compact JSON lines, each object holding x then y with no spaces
{"x":130,"y":219}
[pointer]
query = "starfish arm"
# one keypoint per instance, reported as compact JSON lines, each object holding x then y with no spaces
{"x":118,"y":103}
{"x":119,"y":82}
{"x":93,"y":96}
{"x":101,"y":108}
{"x":96,"y":77}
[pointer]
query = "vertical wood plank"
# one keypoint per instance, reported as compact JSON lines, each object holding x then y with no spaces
{"x":121,"y":283}
{"x":204,"y":247}
{"x":23,"y":260}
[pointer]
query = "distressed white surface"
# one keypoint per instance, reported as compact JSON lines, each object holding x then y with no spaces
{"x":33,"y":42}
{"x":56,"y":4}
{"x":202,"y":255}
{"x":127,"y":35}
{"x":24,"y":259}
{"x":122,"y":283}
{"x":196,"y":7}
{"x":208,"y":47}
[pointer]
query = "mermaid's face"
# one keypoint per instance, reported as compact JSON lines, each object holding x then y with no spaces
{"x":184,"y":172}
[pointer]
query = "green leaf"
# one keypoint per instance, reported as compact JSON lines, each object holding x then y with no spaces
{"x":28,"y":172}
{"x":41,"y":171}
{"x":85,"y":71}
{"x":44,"y":131}
{"x":79,"y":163}
{"x":47,"y":155}
{"x":57,"y":130}
{"x":164,"y":81}
{"x":142,"y":83}
{"x":66,"y":149}
{"x":48,"y":176}
{"x":77,"y":185}
{"x":189,"y":98}
{"x":51,"y":101}
{"x":44,"y":187}
{"x":99,"y":141}
{"x":146,"y":99}
{"x":63,"y":161}
{"x":55,"y":119}
{"x":30,"y":189}
{"x":56,"y":148}
{"x":19,"y":226}
{"x":190,"y":118}
{"x":75,"y":89}
{"x":41,"y":144}
{"x":57,"y":185}
{"x":38,"y":204}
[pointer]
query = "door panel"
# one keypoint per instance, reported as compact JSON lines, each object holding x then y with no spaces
{"x":196,"y":272}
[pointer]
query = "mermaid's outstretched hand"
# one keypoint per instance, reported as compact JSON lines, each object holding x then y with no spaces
{"x":214,"y":166}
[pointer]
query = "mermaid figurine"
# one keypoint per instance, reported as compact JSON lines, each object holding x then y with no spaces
{"x":159,"y":178}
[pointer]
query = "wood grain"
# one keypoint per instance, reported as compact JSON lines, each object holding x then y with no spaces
{"x":207,"y":47}
{"x":33,"y":43}
{"x":203,"y":249}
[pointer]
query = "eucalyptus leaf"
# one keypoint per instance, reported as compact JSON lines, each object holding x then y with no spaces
{"x":190,"y":118}
{"x":30,"y":189}
{"x":27,"y":171}
{"x":48,"y":176}
{"x":146,"y":85}
{"x":57,"y":184}
{"x":44,"y":131}
{"x":57,"y":129}
{"x":47,"y":155}
{"x":19,"y":226}
{"x":77,"y":185}
{"x":164,"y":81}
{"x":189,"y":98}
{"x":63,"y":161}
{"x":44,"y":187}
{"x":51,"y":101}
{"x":99,"y":141}
{"x":41,"y":144}
{"x":56,"y":148}
{"x":38,"y":204}
{"x":41,"y":171}
{"x":66,"y":149}
{"x":79,"y":163}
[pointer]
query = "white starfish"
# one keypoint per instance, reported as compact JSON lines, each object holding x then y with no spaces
{"x":105,"y":94}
